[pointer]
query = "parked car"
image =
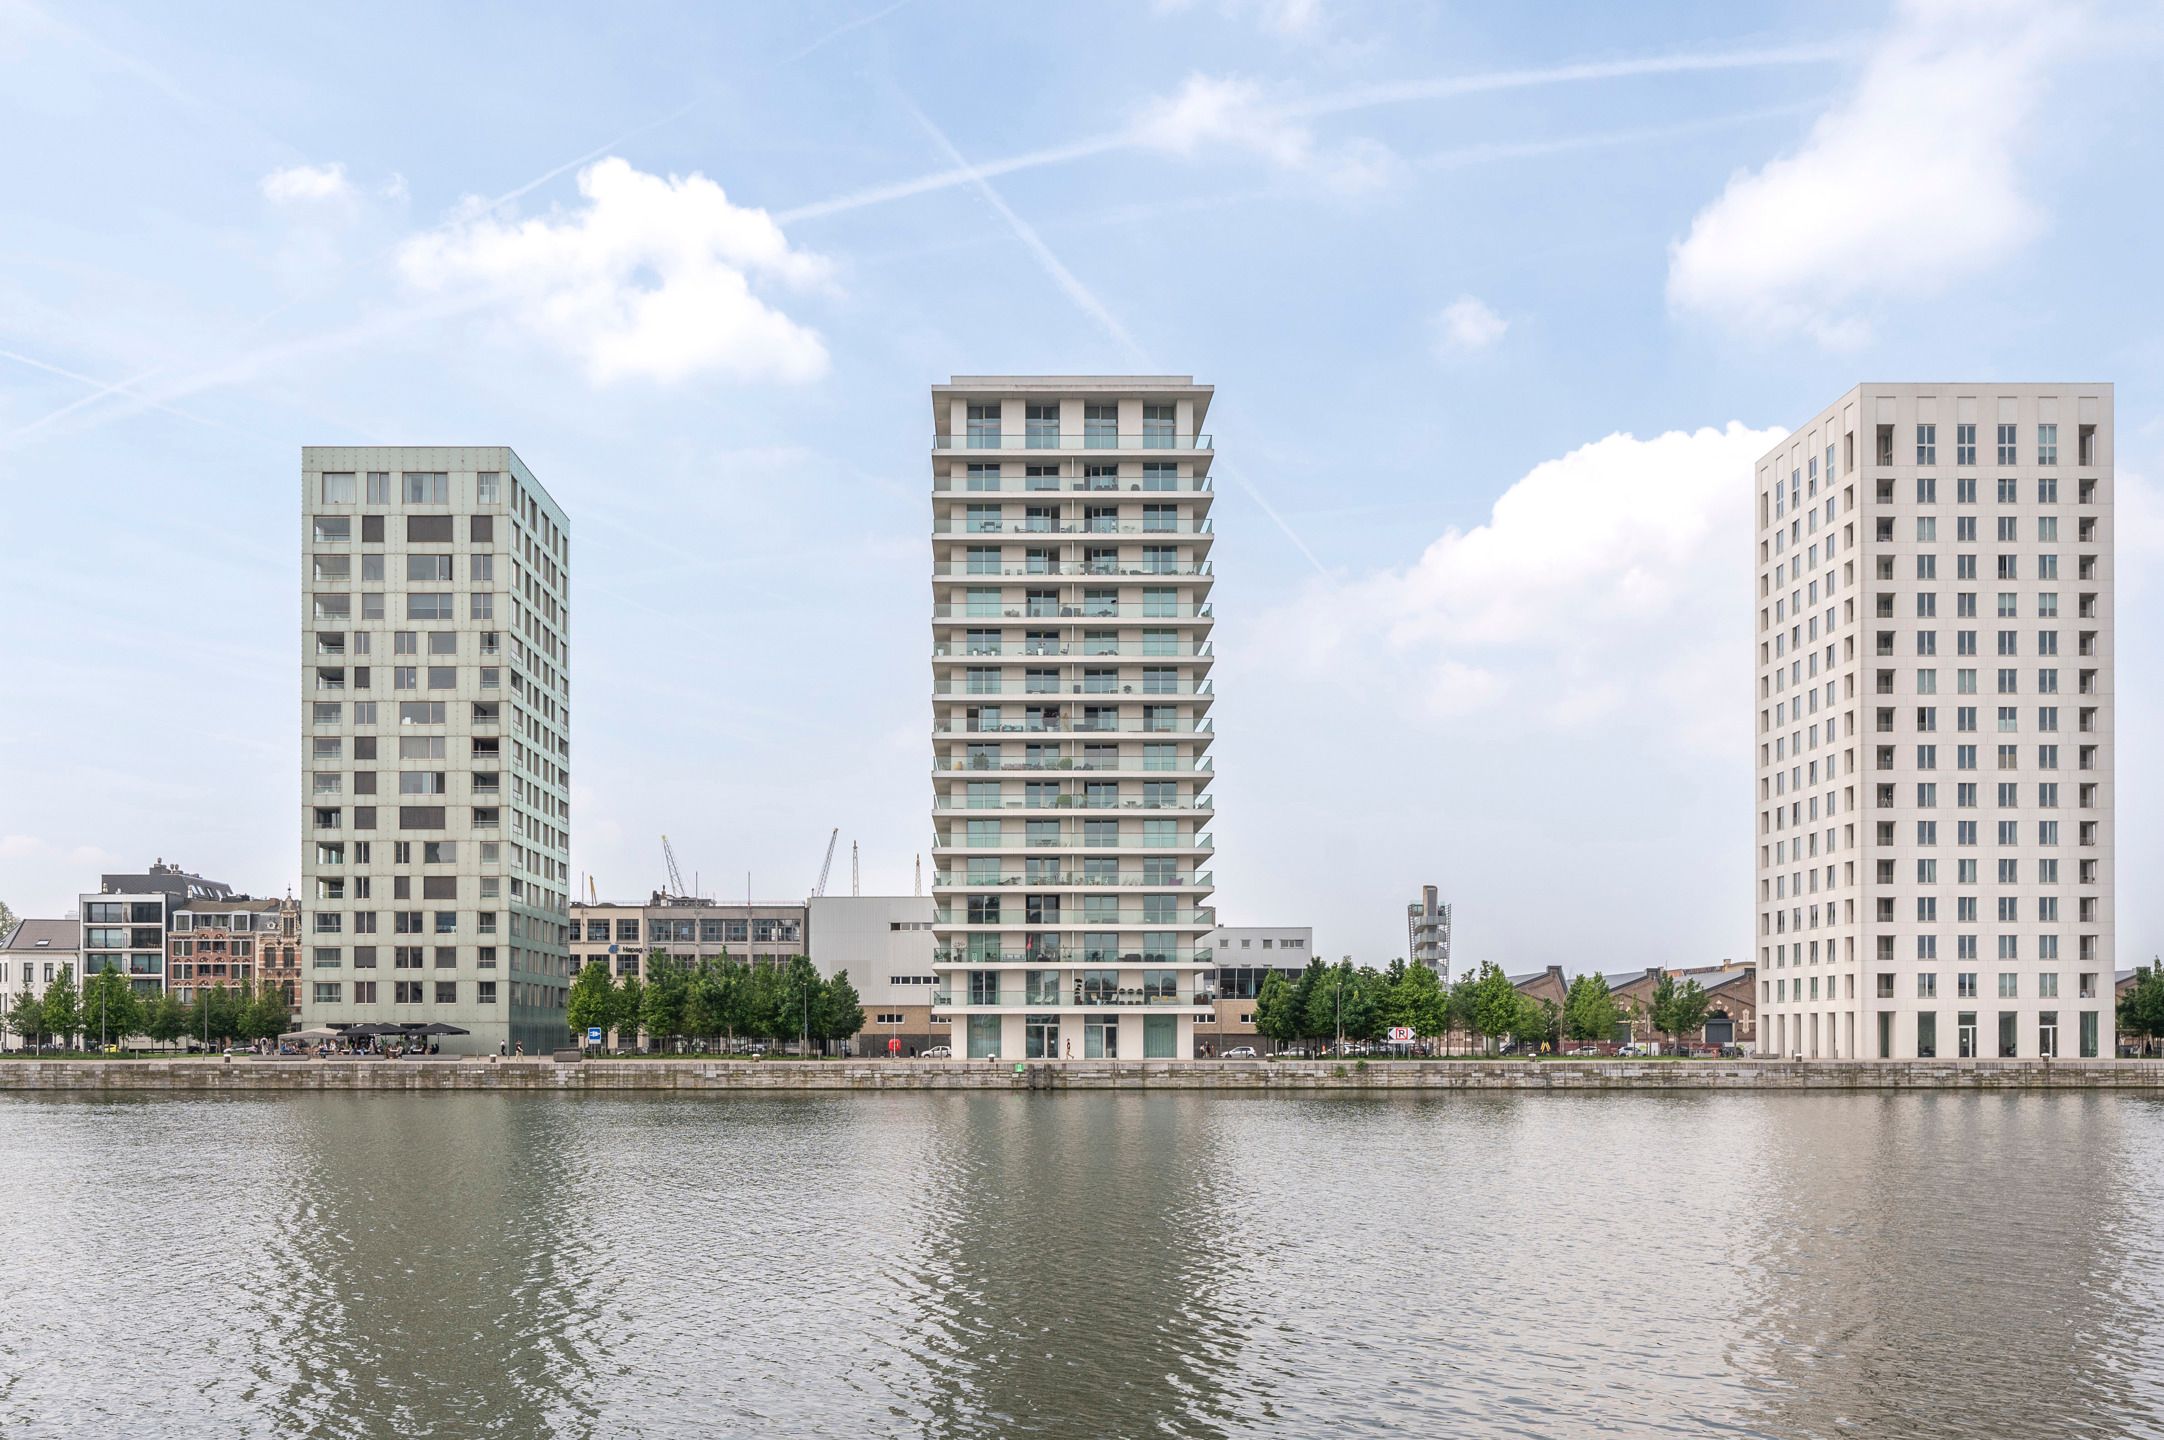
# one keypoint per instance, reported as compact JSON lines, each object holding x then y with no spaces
{"x":939,"y":1052}
{"x":1241,"y":1052}
{"x":1631,"y":1051}
{"x":1731,"y":1052}
{"x":1585,"y":1052}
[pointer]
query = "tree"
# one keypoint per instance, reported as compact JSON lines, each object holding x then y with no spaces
{"x":592,"y":1000}
{"x":7,"y":918}
{"x":1416,"y":1000}
{"x":1679,"y":1010}
{"x":27,"y":1016}
{"x":1303,"y":995}
{"x":63,"y":1011}
{"x":799,"y":1000}
{"x":110,"y":1010}
{"x":841,"y":1012}
{"x":165,"y":1019}
{"x":2141,"y":1008}
{"x":1589,"y":1008}
{"x":1277,"y":1017}
{"x":624,"y":1005}
{"x":661,"y":1010}
{"x":266,"y":1014}
{"x":1492,"y":1002}
{"x":220,"y":1011}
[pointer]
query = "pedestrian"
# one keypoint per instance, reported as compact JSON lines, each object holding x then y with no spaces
{"x":502,"y":1049}
{"x":519,"y":1048}
{"x":1070,"y":1048}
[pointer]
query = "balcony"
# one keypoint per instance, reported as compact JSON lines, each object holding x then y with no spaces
{"x":979,"y":764}
{"x":1072,"y":880}
{"x":1077,"y":649}
{"x":1074,"y":840}
{"x":1110,"y":570}
{"x":1080,"y":725}
{"x":1070,"y":484}
{"x":945,"y":689}
{"x":1045,"y":438}
{"x":946,"y":529}
{"x":1069,"y":802}
{"x":1087,"y":610}
{"x":1125,"y":996}
{"x":1063,"y":919}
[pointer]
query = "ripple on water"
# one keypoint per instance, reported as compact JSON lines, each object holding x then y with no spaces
{"x":1039,"y":1265}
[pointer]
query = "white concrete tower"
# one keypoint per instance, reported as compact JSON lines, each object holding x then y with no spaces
{"x":1934,"y":725}
{"x":1070,"y":714}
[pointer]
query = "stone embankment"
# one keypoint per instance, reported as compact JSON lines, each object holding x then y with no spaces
{"x":253,"y":1076}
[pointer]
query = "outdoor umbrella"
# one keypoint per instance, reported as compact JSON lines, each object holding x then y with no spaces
{"x":319,"y":1033}
{"x":436,"y":1027}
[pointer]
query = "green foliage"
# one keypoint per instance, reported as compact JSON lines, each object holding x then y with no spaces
{"x":7,"y":918}
{"x":266,"y":1016}
{"x":165,"y":1019}
{"x":799,"y":999}
{"x":26,"y":1017}
{"x":592,"y":1000}
{"x":1277,"y":1016}
{"x":1589,"y":1009}
{"x":110,"y":1010}
{"x":1415,"y":998}
{"x":661,"y":1011}
{"x":1491,"y":1002}
{"x":840,"y":1013}
{"x":1679,"y":1010}
{"x":216,"y":1016}
{"x":2141,"y":1008}
{"x":625,"y":1003}
{"x":63,"y":1008}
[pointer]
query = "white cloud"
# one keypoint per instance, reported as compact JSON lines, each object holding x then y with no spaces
{"x":1913,"y":183}
{"x":1467,"y":324}
{"x":651,"y":278}
{"x":1613,"y":577}
{"x":1286,"y":19}
{"x":307,"y":184}
{"x":1228,"y":112}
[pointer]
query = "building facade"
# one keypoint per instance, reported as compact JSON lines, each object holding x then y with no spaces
{"x":127,"y":923}
{"x":1242,"y":957}
{"x":32,"y":955}
{"x":624,"y":937}
{"x":885,"y":943}
{"x":1070,"y":714}
{"x":435,"y":725}
{"x":232,"y":941}
{"x":1427,"y":933}
{"x":1934,"y":725}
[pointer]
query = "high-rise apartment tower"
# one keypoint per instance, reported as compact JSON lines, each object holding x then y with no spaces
{"x":1933,"y":724}
{"x":435,"y":749}
{"x":1070,"y":714}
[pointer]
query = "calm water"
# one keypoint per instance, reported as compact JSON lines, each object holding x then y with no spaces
{"x":359,"y":1265}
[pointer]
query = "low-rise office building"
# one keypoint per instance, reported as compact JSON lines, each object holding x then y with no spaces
{"x":624,"y":936}
{"x":126,"y":923}
{"x":885,"y":944}
{"x":1243,"y":957}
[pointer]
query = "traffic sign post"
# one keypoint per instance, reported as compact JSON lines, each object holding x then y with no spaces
{"x":593,"y":1035}
{"x":1402,"y":1035}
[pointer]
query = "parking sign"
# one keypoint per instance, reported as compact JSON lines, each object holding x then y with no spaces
{"x":593,"y":1034}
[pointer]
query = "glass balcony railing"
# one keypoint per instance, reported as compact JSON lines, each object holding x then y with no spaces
{"x":960,"y":525}
{"x":1138,"y":764}
{"x":1086,"y":610}
{"x":1072,"y":649}
{"x":1078,"y":919}
{"x":1109,"y":569}
{"x":1034,"y":438}
{"x":1072,"y":485}
{"x":1071,"y":840}
{"x":1069,"y":725}
{"x":1134,"y":996}
{"x":1070,"y":880}
{"x":1069,"y":802}
{"x":1024,"y":686}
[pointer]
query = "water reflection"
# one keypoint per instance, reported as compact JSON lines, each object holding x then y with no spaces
{"x":1045,"y":1265}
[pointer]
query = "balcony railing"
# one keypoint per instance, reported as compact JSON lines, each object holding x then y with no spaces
{"x":1073,"y":840}
{"x":1077,"y":919}
{"x":1077,"y":649}
{"x":1035,"y":438}
{"x":1071,"y":484}
{"x":1107,"y":569}
{"x":947,"y":688}
{"x":1136,"y":764}
{"x":1078,"y":725}
{"x":1069,"y":802}
{"x":1132,"y":996}
{"x":965,"y":526}
{"x":1072,"y":880}
{"x":1087,"y":610}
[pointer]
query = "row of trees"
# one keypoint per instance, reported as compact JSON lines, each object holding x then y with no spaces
{"x":2141,"y":1008}
{"x":1328,"y":1003}
{"x":108,"y":1011}
{"x":715,"y":1001}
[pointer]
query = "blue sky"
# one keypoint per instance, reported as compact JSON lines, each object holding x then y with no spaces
{"x":1500,"y":303}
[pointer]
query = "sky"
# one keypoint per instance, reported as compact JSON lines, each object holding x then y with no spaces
{"x":1501,"y":303}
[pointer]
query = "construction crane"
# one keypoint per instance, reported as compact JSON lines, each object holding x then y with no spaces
{"x":592,"y":896}
{"x":826,"y":864}
{"x":676,"y":876}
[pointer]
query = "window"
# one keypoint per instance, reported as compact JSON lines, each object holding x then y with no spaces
{"x":338,"y":489}
{"x":1927,"y":444}
{"x":429,"y":569}
{"x":379,"y":488}
{"x":425,"y":488}
{"x":430,"y":607}
{"x":2006,"y":445}
{"x":484,"y":606}
{"x":1965,"y":447}
{"x":2047,"y":444}
{"x":328,"y":991}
